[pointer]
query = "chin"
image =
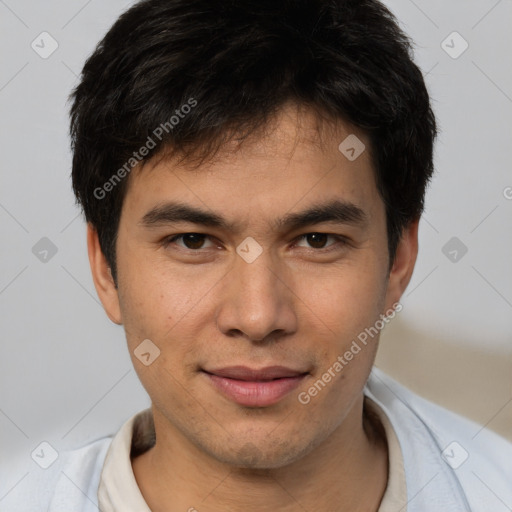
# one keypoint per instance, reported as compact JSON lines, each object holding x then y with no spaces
{"x":264,"y":455}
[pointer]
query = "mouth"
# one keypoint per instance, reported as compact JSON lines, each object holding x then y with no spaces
{"x":255,"y":387}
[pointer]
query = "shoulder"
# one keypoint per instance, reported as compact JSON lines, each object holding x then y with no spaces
{"x":474,"y":461}
{"x":70,"y":483}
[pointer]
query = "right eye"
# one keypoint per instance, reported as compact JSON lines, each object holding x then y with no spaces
{"x":189,"y":241}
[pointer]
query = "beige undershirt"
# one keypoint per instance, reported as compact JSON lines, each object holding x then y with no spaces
{"x":118,"y":490}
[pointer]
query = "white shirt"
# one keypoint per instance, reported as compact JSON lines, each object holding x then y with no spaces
{"x":118,"y":490}
{"x":438,"y":461}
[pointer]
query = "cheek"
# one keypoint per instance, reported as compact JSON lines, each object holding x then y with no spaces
{"x":344,"y":300}
{"x":170,"y":308}
{"x":156,"y":298}
{"x":348,"y":308}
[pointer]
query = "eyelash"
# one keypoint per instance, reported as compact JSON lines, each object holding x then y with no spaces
{"x":340,"y":240}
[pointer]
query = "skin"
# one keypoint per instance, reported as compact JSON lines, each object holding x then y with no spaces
{"x":299,"y":304}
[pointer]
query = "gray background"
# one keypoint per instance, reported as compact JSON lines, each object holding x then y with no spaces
{"x":65,"y":374}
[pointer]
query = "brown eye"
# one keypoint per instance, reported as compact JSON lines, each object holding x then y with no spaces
{"x":321,"y":241}
{"x":317,"y":240}
{"x":192,"y":241}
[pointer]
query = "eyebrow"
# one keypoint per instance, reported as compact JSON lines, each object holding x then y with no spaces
{"x":336,"y":211}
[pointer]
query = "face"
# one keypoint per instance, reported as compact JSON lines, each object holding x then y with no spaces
{"x":252,"y":275}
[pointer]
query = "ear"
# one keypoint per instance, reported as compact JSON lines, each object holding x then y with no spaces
{"x":102,"y":277}
{"x":403,"y":264}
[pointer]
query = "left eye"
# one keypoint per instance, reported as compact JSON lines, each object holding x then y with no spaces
{"x":192,"y":241}
{"x":319,"y":240}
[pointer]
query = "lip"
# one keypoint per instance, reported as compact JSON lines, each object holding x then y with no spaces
{"x":255,"y":387}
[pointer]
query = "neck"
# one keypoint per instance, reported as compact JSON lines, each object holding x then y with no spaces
{"x":348,"y":471}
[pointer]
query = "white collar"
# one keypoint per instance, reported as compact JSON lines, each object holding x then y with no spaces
{"x":118,"y":490}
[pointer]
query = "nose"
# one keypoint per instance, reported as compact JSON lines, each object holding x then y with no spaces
{"x":256,"y":301}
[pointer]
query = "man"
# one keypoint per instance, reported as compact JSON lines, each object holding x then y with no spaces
{"x":252,"y":175}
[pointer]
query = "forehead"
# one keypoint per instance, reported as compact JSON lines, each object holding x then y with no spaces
{"x":294,"y":161}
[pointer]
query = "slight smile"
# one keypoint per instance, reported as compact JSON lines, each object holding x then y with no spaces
{"x":255,"y":387}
